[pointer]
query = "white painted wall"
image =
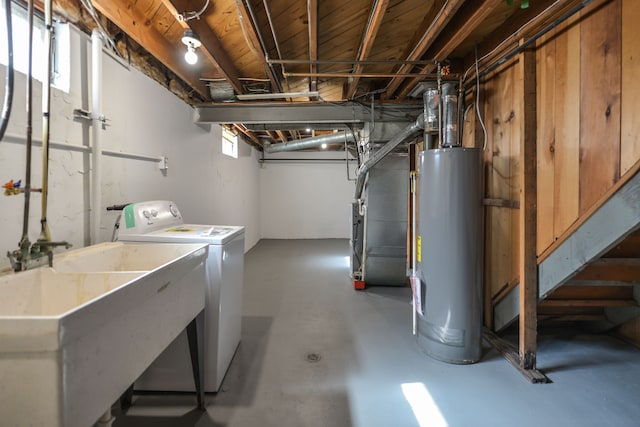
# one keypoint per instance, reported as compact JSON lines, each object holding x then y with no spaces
{"x":305,"y":200}
{"x":144,"y":118}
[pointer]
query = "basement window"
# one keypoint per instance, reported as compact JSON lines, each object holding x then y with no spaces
{"x":61,"y":49}
{"x":229,"y":143}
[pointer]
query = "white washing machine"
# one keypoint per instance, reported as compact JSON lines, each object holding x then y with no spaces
{"x":160,"y":221}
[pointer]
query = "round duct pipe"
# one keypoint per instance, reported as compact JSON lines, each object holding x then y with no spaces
{"x":405,"y":134}
{"x":315,"y":141}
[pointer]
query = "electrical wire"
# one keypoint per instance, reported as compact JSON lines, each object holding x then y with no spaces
{"x":252,"y":48}
{"x":187,"y":16}
{"x":9,"y":83}
{"x":484,"y":129}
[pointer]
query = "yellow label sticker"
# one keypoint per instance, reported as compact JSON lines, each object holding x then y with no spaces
{"x":179,"y":230}
{"x":419,"y":248}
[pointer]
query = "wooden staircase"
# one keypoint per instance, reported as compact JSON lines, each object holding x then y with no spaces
{"x":605,"y":293}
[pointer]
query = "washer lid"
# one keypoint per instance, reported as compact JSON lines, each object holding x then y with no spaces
{"x":188,"y":233}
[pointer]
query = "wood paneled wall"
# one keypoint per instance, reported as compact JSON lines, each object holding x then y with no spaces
{"x":588,"y":98}
{"x":502,"y":120}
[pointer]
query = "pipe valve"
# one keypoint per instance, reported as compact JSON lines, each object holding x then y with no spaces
{"x":12,"y":188}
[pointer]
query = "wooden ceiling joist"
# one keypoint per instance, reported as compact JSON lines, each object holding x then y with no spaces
{"x":439,"y":22}
{"x":256,"y":46}
{"x":135,"y":23}
{"x":370,"y":32}
{"x":211,"y":45}
{"x":252,"y":138}
{"x":282,"y":136}
{"x":455,"y":33}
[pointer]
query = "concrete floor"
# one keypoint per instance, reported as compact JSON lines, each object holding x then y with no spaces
{"x":314,"y":352}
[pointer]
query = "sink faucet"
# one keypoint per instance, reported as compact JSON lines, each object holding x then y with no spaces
{"x":31,"y":254}
{"x":48,"y":246}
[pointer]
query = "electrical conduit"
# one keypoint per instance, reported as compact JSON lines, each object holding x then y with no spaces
{"x":96,"y":152}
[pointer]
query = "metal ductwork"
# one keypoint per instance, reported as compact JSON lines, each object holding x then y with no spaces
{"x":316,"y":141}
{"x":405,"y":134}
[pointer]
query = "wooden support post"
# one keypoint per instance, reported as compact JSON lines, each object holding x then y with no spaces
{"x":527,"y":215}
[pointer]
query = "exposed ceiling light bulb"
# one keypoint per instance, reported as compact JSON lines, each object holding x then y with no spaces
{"x":192,"y":41}
{"x":324,"y":146}
{"x":191,"y":56}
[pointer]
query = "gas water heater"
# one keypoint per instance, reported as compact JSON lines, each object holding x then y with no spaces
{"x":449,"y":264}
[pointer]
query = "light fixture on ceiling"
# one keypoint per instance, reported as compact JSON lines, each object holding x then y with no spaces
{"x":192,"y":41}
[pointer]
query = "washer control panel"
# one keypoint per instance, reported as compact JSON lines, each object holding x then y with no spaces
{"x":145,"y":217}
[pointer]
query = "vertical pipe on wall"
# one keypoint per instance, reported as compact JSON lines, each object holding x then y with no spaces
{"x":96,"y":153}
{"x":24,"y":241}
{"x":414,"y":222}
{"x":46,"y":106}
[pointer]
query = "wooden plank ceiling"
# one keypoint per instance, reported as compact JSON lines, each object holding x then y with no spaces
{"x":357,"y":50}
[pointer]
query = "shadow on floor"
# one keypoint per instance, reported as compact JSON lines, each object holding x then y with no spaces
{"x":164,"y":411}
{"x":238,"y":387}
{"x":241,"y":381}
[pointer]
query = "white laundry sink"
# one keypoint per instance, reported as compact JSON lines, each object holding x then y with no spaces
{"x":119,"y":256}
{"x":72,"y":342}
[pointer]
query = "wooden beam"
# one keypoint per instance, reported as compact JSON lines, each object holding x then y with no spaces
{"x":256,"y":46}
{"x":281,"y":135}
{"x":454,"y":34}
{"x":502,"y":203}
{"x":631,"y":262}
{"x":614,"y":272}
{"x":526,"y":78}
{"x":132,"y":21}
{"x":510,"y":353}
{"x":370,"y":32}
{"x":312,"y":15}
{"x":592,"y":292}
{"x":588,"y":303}
{"x":252,"y":138}
{"x":572,"y":318}
{"x":442,"y":18}
{"x":211,"y":46}
{"x":504,"y":291}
